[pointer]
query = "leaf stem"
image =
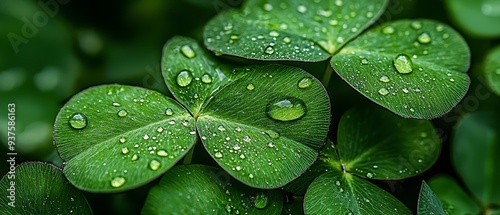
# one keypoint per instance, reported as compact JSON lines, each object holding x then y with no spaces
{"x":327,"y":75}
{"x":189,"y":155}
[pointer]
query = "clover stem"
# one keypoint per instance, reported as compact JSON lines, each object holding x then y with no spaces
{"x":189,"y":155}
{"x":327,"y":76}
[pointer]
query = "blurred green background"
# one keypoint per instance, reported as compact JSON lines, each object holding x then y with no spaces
{"x":51,"y":50}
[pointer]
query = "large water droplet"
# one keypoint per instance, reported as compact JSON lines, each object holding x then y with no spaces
{"x":184,"y":78}
{"x":424,"y":38}
{"x":302,"y":9}
{"x":304,"y":83}
{"x":78,"y":121}
{"x":383,"y":91}
{"x":369,"y":175}
{"x":218,"y":155}
{"x":169,"y":112}
{"x":269,"y":50}
{"x":403,"y":64}
{"x":122,"y":113}
{"x":274,"y":34}
{"x":388,"y":30}
{"x":287,"y":109}
{"x":118,"y":181}
{"x":261,"y":199}
{"x":384,"y":79}
{"x":123,"y":140}
{"x":206,"y":78}
{"x":135,"y":157}
{"x":162,"y":153}
{"x":187,"y":51}
{"x":250,"y":87}
{"x":154,"y":164}
{"x":125,"y":150}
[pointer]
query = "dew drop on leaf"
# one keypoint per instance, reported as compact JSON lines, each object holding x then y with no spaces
{"x":78,"y":121}
{"x":206,"y":78}
{"x":424,"y":38}
{"x":274,"y":34}
{"x":369,"y":175}
{"x":383,"y":91}
{"x":162,"y":153}
{"x":388,"y":30}
{"x":287,"y":109}
{"x":416,"y":25}
{"x":184,"y":78}
{"x":118,"y":182}
{"x":269,"y":50}
{"x":302,"y":9}
{"x":261,"y":200}
{"x":123,"y":140}
{"x":188,"y":52}
{"x":403,"y":64}
{"x":250,"y":87}
{"x":135,"y":157}
{"x":154,"y":164}
{"x":218,"y":155}
{"x":125,"y":150}
{"x":384,"y":79}
{"x":122,"y":113}
{"x":304,"y":83}
{"x":169,"y":112}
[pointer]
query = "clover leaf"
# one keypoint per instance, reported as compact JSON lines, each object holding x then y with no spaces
{"x":428,"y":202}
{"x":115,"y":137}
{"x":40,"y":188}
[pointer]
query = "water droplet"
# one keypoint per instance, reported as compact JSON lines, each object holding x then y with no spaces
{"x":384,"y":79}
{"x":403,"y":64}
{"x":159,"y":129}
{"x":271,"y":145}
{"x":206,"y":78}
{"x":154,"y":164}
{"x":452,"y":80}
{"x":122,"y":113}
{"x":261,"y":199}
{"x":287,"y":109}
{"x":250,"y":175}
{"x":116,"y":104}
{"x":424,"y":38}
{"x":135,"y":157}
{"x":375,"y":167}
{"x":184,"y":78}
{"x":169,"y":112}
{"x":250,"y":87}
{"x":237,"y":147}
{"x":304,"y":83}
{"x":125,"y":150}
{"x":272,"y":134}
{"x":123,"y":140}
{"x":274,"y":34}
{"x":238,"y":168}
{"x":218,"y":155}
{"x":369,"y":175}
{"x":162,"y":153}
{"x":286,"y":40}
{"x":302,"y":9}
{"x":416,"y":25}
{"x":187,"y":51}
{"x":333,"y":22}
{"x":171,"y":122}
{"x":388,"y":30}
{"x":337,"y":183}
{"x":268,"y":7}
{"x":246,"y":139}
{"x":364,"y":61}
{"x":146,"y":137}
{"x":242,"y":156}
{"x":269,"y":50}
{"x":78,"y":121}
{"x":221,"y":128}
{"x":118,"y":182}
{"x":383,"y":91}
